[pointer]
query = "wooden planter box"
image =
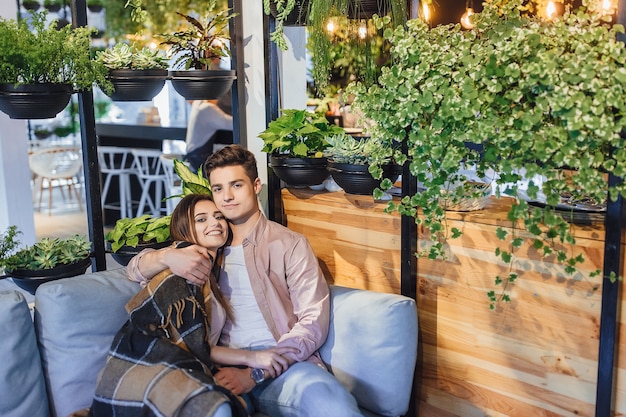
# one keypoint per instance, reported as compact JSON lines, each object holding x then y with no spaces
{"x":535,"y":356}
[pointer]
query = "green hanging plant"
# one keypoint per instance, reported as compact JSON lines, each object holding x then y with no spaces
{"x":542,"y":99}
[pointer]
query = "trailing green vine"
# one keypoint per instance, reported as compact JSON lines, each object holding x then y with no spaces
{"x":539,"y":99}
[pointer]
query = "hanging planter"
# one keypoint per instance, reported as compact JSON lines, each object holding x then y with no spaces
{"x":46,"y":65}
{"x":356,"y":179}
{"x":136,"y":85}
{"x":202,"y":84}
{"x":34,"y":101}
{"x":30,"y":280}
{"x":299,"y":172}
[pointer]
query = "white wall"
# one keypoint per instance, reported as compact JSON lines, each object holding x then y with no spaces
{"x":16,"y":206}
{"x":292,"y":75}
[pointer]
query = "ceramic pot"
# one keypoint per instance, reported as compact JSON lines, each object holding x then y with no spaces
{"x":299,"y":172}
{"x":30,"y":280}
{"x":356,"y":179}
{"x":202,"y":84}
{"x":34,"y":101}
{"x":137,"y":85}
{"x":126,"y":253}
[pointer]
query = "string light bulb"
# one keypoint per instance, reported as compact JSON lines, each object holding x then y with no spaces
{"x":425,"y":12}
{"x":362,"y":30}
{"x":550,"y":10}
{"x":330,"y":26}
{"x":465,"y":19}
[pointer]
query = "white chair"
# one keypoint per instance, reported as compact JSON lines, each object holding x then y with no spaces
{"x":149,"y":168}
{"x":57,"y":167}
{"x":173,"y":183}
{"x":115,"y":161}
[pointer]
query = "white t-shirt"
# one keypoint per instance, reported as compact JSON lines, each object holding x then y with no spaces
{"x":250,"y":329}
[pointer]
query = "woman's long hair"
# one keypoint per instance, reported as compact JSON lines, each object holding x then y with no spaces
{"x":182,"y":229}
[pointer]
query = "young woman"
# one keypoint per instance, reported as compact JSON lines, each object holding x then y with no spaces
{"x":164,"y":357}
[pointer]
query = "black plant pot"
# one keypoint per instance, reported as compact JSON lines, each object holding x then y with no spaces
{"x":126,"y":253}
{"x":34,"y":101}
{"x":137,"y":85}
{"x":202,"y":84}
{"x":299,"y":172}
{"x":356,"y":179}
{"x":297,"y":17}
{"x":30,"y":280}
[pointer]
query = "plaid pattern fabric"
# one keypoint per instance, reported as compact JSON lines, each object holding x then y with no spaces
{"x":159,"y":363}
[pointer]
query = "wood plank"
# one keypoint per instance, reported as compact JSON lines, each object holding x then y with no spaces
{"x":534,"y":356}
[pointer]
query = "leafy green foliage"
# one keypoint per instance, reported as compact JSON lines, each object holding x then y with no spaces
{"x":345,"y":149}
{"x":124,"y":56}
{"x":298,"y":133}
{"x":8,"y":243}
{"x":45,"y":54}
{"x":542,"y":98}
{"x":48,"y":253}
{"x":203,"y":41}
{"x":136,"y":230}
{"x":192,"y":183}
{"x":283,"y":8}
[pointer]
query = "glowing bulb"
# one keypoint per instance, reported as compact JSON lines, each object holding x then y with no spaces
{"x":465,"y":19}
{"x":330,"y":26}
{"x":425,"y":12}
{"x":362,"y":31}
{"x":550,"y":10}
{"x":607,"y":6}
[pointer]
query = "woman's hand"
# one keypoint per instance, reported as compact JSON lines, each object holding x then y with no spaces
{"x":272,"y":360}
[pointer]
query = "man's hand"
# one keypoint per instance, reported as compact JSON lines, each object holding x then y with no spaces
{"x":237,"y":380}
{"x":193,"y":263}
{"x":271,"y":360}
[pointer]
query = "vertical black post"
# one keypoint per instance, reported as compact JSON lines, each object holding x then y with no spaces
{"x":275,"y":199}
{"x":609,"y":330}
{"x":613,"y":226}
{"x":90,"y":158}
{"x":235,"y":30}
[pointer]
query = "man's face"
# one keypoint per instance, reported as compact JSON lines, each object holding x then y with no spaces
{"x":234,"y":194}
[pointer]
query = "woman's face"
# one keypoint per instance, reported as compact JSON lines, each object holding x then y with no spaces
{"x":210,"y":225}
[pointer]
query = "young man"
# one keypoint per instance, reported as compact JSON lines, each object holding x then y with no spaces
{"x":276,"y":289}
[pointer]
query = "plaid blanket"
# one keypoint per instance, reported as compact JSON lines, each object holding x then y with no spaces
{"x":159,"y":363}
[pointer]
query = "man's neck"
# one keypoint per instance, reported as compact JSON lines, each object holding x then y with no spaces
{"x":242,"y":229}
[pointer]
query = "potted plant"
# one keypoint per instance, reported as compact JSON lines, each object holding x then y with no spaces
{"x":53,"y":5}
{"x":295,"y":142}
{"x":130,"y":236}
{"x":46,"y":260}
{"x":32,"y":5}
{"x":137,"y":74}
{"x":41,"y":67}
{"x":196,"y":50}
{"x":533,"y":113}
{"x":359,"y":166}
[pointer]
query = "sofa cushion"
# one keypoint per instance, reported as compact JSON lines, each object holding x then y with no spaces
{"x":22,"y":389}
{"x":372,"y":347}
{"x":76,"y":319}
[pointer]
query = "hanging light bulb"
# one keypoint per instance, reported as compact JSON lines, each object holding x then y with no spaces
{"x":465,"y":19}
{"x":330,"y":26}
{"x":425,"y":12}
{"x":362,"y":30}
{"x":550,"y":10}
{"x":608,"y":7}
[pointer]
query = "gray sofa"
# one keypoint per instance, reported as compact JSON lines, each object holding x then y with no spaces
{"x":50,"y":369}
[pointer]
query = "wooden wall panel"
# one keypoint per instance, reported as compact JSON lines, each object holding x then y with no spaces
{"x":534,"y":356}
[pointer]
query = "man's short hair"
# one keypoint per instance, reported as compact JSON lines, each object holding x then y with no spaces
{"x":232,"y":155}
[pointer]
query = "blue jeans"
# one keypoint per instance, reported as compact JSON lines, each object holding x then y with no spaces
{"x":304,"y":390}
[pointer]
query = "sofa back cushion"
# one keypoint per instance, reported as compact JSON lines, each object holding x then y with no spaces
{"x":76,"y":319}
{"x":22,"y":388}
{"x":372,"y":347}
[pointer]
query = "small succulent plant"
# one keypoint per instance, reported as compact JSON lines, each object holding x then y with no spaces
{"x":124,"y":56}
{"x":47,"y":253}
{"x":345,"y":149}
